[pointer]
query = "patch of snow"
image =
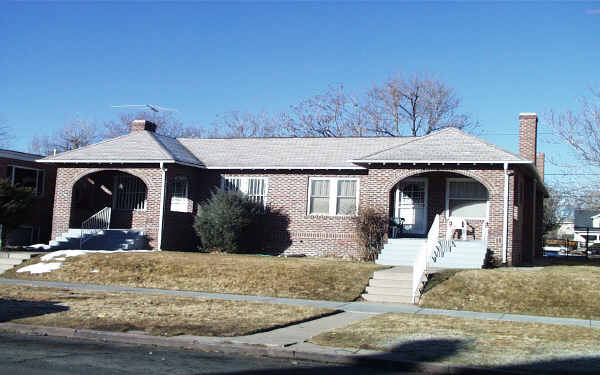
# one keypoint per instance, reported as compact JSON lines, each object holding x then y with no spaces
{"x":62,"y":255}
{"x":39,"y":246}
{"x":41,"y":267}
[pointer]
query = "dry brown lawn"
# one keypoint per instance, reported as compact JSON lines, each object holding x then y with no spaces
{"x":464,"y":341}
{"x":155,"y":314}
{"x":565,"y":291}
{"x":308,"y":278}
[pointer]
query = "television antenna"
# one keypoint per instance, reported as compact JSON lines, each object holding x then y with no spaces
{"x":153,"y":108}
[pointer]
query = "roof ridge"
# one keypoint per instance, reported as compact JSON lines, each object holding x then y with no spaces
{"x":314,"y":137}
{"x":190,"y":153}
{"x":492,"y":145}
{"x":153,"y":135}
{"x":49,"y":157}
{"x":416,"y":138}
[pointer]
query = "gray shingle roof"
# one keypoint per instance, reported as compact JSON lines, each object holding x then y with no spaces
{"x":286,"y":153}
{"x":583,"y":218}
{"x":448,"y":145}
{"x":17,"y":155}
{"x":137,"y":146}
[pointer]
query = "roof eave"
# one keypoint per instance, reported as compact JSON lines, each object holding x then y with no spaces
{"x":287,"y":168}
{"x":95,"y":161}
{"x":367,"y":161}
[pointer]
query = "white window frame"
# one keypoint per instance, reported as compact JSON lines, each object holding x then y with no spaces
{"x":243,"y":188}
{"x":181,"y":203}
{"x":333,"y":195}
{"x":487,"y":206}
{"x":37,"y":178}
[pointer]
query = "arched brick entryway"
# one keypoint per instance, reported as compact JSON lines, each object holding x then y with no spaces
{"x":147,"y":219}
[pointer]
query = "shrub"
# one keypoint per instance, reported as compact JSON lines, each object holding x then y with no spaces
{"x":371,"y":227}
{"x":15,"y":202}
{"x":223,"y":222}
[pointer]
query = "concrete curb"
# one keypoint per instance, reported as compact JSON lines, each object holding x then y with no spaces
{"x":220,"y":345}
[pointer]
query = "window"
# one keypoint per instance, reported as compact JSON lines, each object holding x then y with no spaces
{"x":130,"y":193}
{"x":28,"y":177}
{"x":466,"y":198}
{"x":333,"y":196}
{"x":254,"y":187}
{"x":179,"y":194}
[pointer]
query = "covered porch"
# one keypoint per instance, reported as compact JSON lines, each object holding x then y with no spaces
{"x":462,"y":203}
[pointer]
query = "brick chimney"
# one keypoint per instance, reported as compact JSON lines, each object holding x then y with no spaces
{"x":539,"y":163}
{"x":138,"y":125}
{"x":528,"y":136}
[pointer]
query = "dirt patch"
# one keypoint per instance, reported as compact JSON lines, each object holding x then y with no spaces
{"x":155,"y":314}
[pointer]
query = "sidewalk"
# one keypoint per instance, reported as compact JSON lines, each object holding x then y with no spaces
{"x":352,"y":307}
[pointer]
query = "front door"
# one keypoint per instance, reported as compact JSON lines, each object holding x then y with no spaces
{"x":411,"y":205}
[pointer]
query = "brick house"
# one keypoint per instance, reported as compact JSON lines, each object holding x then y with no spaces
{"x":155,"y":183}
{"x":22,"y":168}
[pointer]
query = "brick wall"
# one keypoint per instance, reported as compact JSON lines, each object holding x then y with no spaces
{"x":297,"y":232}
{"x":148,"y":220}
{"x":40,"y":215}
{"x":330,"y":235}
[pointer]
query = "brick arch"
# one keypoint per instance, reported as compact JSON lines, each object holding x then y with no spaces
{"x":130,"y":171}
{"x":404,"y":174}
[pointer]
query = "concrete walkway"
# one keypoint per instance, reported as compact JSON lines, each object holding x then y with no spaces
{"x":351,"y":307}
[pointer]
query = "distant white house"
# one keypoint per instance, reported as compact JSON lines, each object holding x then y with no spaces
{"x":587,"y":226}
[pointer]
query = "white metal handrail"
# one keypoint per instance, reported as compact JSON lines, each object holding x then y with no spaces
{"x":420,"y":265}
{"x":94,"y":224}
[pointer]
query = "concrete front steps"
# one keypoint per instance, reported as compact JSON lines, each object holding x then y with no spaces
{"x":403,"y":251}
{"x":109,"y":239}
{"x":392,"y":285}
{"x":10,"y":259}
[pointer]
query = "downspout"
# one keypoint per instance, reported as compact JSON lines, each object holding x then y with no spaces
{"x":162,"y":205}
{"x":534,"y":233}
{"x":505,"y":223}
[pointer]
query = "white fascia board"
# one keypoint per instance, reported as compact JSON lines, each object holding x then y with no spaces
{"x":120,"y":162}
{"x":442,"y":161}
{"x":357,"y":168}
{"x":96,"y":161}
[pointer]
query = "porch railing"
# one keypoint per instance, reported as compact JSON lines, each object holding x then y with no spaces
{"x":434,"y":249}
{"x":94,"y":224}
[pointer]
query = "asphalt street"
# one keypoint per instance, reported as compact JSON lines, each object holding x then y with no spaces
{"x":33,"y":355}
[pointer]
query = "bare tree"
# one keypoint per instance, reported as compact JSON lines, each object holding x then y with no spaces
{"x":580,"y":129}
{"x":330,"y":114}
{"x":166,"y":124}
{"x":72,"y":135}
{"x":5,"y":132}
{"x":415,"y":105}
{"x":243,"y":124}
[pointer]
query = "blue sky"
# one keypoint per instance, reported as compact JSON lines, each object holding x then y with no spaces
{"x":59,"y":61}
